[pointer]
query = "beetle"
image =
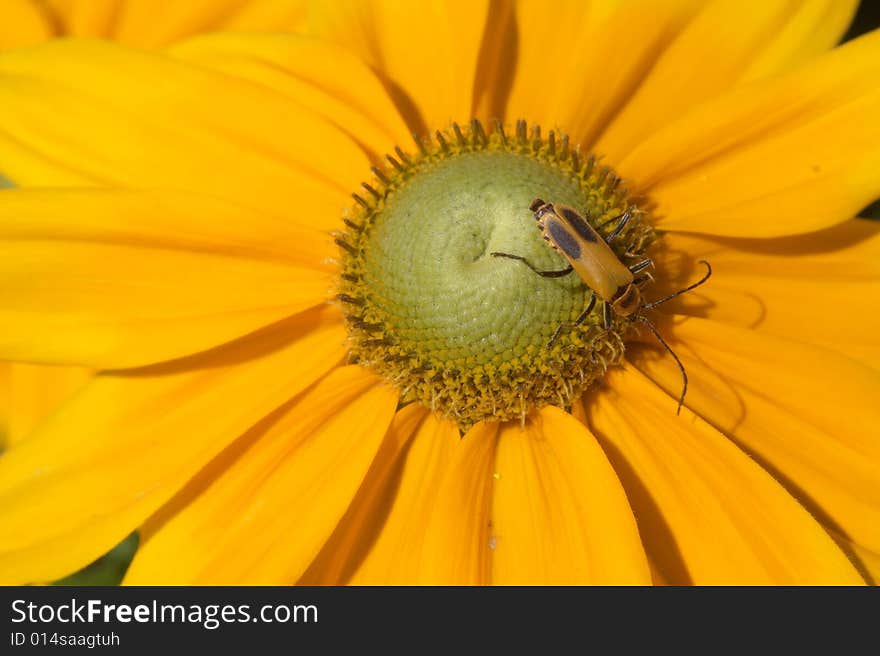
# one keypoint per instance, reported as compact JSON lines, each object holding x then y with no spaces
{"x":590,"y":255}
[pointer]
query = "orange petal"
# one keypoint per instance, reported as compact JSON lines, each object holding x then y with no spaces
{"x":425,"y":52}
{"x":120,"y":279}
{"x":84,"y":17}
{"x":456,"y":543}
{"x":805,"y":288}
{"x":721,"y":47}
{"x":381,"y":539}
{"x":865,"y":560}
{"x":326,"y":79}
{"x":575,"y":64}
{"x":30,"y":393}
{"x":708,"y":514}
{"x":260,"y":516}
{"x":559,"y":513}
{"x":140,"y":120}
{"x":147,"y":23}
{"x":805,"y":413}
{"x":783,"y":156}
{"x":128,"y":442}
{"x":24,"y":23}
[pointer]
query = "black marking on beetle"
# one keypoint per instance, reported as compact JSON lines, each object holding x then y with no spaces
{"x":579,"y":224}
{"x":621,"y":292}
{"x":564,"y":240}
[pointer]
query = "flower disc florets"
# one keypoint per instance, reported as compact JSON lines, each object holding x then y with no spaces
{"x":455,"y":329}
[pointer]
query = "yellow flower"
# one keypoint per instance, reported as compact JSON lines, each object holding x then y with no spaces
{"x":142,"y":23}
{"x":28,"y":392}
{"x":172,"y":230}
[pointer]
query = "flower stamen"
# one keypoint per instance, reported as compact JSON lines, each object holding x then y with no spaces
{"x":457,"y":330}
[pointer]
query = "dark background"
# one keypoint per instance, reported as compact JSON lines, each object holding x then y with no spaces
{"x":867,"y":19}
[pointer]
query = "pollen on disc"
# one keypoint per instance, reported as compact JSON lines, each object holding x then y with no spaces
{"x":431,"y":310}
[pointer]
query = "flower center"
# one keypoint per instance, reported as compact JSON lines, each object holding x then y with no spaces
{"x":456,"y":329}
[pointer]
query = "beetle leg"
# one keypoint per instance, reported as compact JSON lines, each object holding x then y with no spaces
{"x":545,"y":274}
{"x":605,"y":223}
{"x":640,"y":266}
{"x":624,"y":219}
{"x":643,"y":279}
{"x":606,"y":315}
{"x":556,"y":334}
{"x":583,"y":315}
{"x":577,"y":322}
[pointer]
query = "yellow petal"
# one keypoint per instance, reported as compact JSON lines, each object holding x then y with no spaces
{"x":576,"y":63}
{"x":559,"y":513}
{"x":805,"y":413}
{"x":722,"y":46}
{"x":815,"y":288}
{"x":456,"y":543}
{"x":30,"y":393}
{"x":24,"y":23}
{"x":5,"y":404}
{"x":148,"y":23}
{"x":262,"y":515}
{"x":788,"y":155}
{"x":657,"y":577}
{"x":708,"y":514}
{"x":140,"y":120}
{"x":84,"y":17}
{"x":425,"y":52}
{"x":380,"y":539}
{"x":865,"y":560}
{"x":128,"y":442}
{"x":118,"y":279}
{"x":326,"y":79}
{"x":267,"y":16}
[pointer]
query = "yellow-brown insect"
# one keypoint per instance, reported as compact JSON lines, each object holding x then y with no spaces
{"x":591,"y":256}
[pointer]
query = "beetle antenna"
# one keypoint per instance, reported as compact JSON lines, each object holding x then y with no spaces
{"x":648,"y":306}
{"x":684,"y":376}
